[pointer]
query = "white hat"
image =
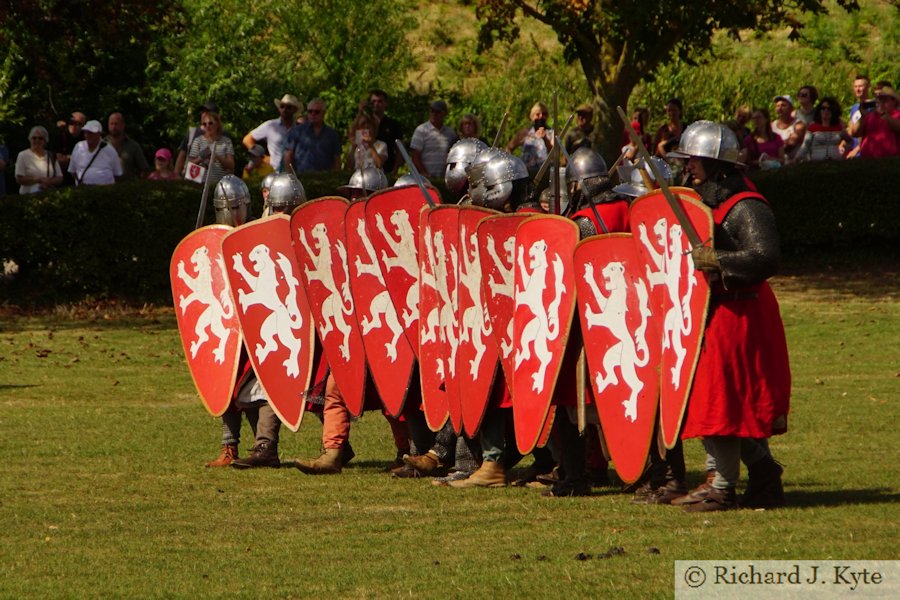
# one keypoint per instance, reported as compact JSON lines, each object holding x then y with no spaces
{"x":288,"y":99}
{"x":93,"y":126}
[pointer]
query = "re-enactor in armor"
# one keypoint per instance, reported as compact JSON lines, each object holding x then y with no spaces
{"x":231,"y":200}
{"x":741,"y":390}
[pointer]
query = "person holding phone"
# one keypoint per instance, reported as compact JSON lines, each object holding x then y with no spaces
{"x":879,"y":129}
{"x":365,"y":150}
{"x":536,"y":140}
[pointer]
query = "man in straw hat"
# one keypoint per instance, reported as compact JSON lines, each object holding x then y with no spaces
{"x":274,"y":132}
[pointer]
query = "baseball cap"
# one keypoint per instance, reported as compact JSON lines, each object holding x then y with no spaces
{"x":93,"y":126}
{"x":786,"y":98}
{"x":163,"y":153}
{"x":438,"y":105}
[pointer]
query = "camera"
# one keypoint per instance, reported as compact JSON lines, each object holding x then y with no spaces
{"x":540,"y":123}
{"x":868,"y":105}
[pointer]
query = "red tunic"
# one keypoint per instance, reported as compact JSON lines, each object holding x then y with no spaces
{"x":614,"y":215}
{"x":742,"y":385}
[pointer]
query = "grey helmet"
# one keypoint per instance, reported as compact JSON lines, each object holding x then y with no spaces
{"x":585,"y":164}
{"x":705,"y":139}
{"x":285,"y":193}
{"x":404,"y":180}
{"x":633,"y":183}
{"x":500,"y":171}
{"x":231,"y":200}
{"x":548,"y":192}
{"x":587,"y":170}
{"x":369,"y":179}
{"x":475,"y":174}
{"x":266,"y":184}
{"x":461,"y":155}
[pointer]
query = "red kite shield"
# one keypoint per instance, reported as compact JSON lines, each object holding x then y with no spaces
{"x":432,"y":355}
{"x":209,"y":328}
{"x":496,"y":249}
{"x":392,"y":220}
{"x":443,"y":222}
{"x":478,"y":354}
{"x":622,"y":345}
{"x":545,"y":302}
{"x":273,"y":310}
{"x":390,"y":356}
{"x":318,"y":234}
{"x":678,"y":292}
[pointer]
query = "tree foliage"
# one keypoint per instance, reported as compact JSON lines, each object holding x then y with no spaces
{"x":242,"y":55}
{"x":619,"y":43}
{"x":828,"y":54}
{"x":87,"y":55}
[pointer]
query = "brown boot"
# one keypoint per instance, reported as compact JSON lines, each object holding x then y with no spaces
{"x":328,"y":463}
{"x":667,"y":494}
{"x":490,"y":474}
{"x":263,"y":454}
{"x":715,"y":500}
{"x":228,"y":455}
{"x":426,"y":464}
{"x":698,"y":493}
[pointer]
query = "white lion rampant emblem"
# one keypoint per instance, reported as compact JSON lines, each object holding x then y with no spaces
{"x":285,"y":316}
{"x":678,"y":322}
{"x":404,"y":249}
{"x":506,"y":285}
{"x":381,"y":306}
{"x":544,"y":326}
{"x":440,"y":323}
{"x":217,"y":309}
{"x":339,"y":303}
{"x":624,"y":354}
{"x":475,"y":323}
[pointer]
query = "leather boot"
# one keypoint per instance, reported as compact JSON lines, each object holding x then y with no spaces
{"x":764,"y":487}
{"x":716,"y":500}
{"x":490,"y":474}
{"x":328,"y":463}
{"x":698,"y":493}
{"x":263,"y":454}
{"x":228,"y":455}
{"x":668,"y":493}
{"x":426,"y":464}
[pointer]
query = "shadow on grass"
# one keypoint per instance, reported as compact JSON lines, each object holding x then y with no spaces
{"x":384,"y":466}
{"x":804,"y":498}
{"x":11,"y":386}
{"x":836,"y":271}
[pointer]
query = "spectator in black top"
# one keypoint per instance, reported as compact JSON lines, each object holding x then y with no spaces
{"x":389,"y":129}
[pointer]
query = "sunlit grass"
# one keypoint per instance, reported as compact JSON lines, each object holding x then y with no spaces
{"x":103,"y":490}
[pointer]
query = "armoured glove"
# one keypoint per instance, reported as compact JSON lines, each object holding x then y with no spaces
{"x":705,"y":259}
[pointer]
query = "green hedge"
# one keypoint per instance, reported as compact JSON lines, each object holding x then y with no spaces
{"x":116,"y":242}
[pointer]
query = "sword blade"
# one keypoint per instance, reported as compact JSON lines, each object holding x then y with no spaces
{"x":675,"y":205}
{"x":415,"y":173}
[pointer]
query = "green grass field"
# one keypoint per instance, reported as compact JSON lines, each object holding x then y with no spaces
{"x":103,"y":492}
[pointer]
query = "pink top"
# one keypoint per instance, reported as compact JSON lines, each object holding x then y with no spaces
{"x":756,"y":149}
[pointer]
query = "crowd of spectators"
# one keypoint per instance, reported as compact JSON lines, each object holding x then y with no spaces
{"x":299,"y":139}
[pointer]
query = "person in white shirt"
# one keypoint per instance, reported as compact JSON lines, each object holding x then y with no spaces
{"x":431,"y":142}
{"x":275,"y":131}
{"x":36,"y":167}
{"x":94,"y":162}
